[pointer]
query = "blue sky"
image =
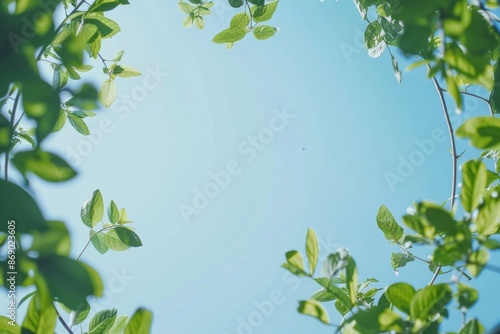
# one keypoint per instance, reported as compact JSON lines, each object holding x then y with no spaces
{"x":195,"y":109}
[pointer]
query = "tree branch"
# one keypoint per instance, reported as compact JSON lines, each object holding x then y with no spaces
{"x":61,"y":320}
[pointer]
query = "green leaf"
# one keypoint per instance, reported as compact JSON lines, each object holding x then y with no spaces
{"x":108,"y":93}
{"x":495,"y":93}
{"x":400,"y":295}
{"x":81,"y":314}
{"x":6,"y":328}
{"x":106,"y":27}
{"x":93,"y":209}
{"x":264,"y":32}
{"x":22,"y":208}
{"x":27,"y":138}
{"x":312,"y":250}
{"x":41,"y":103}
{"x":491,"y":244}
{"x":264,"y":13}
{"x":236,"y":3}
{"x":474,"y":176}
{"x":429,"y":301}
{"x":466,"y":296}
{"x":39,"y":320}
{"x":374,"y":40}
{"x":106,"y":5}
{"x":473,"y":326}
{"x":351,"y":274}
{"x":477,"y":261}
{"x":488,"y":218}
{"x":62,"y":274}
{"x":386,"y":222}
{"x":484,"y":132}
{"x":324,"y":296}
{"x":60,"y":77}
{"x":61,"y":120}
{"x":447,"y":254}
{"x":113,"y":213}
{"x":119,"y":325}
{"x":78,"y":124}
{"x":395,"y":67}
{"x":399,"y":260}
{"x":240,"y":21}
{"x":127,"y":236}
{"x":125,"y":71}
{"x":295,"y":263}
{"x":45,"y":165}
{"x":314,"y":309}
{"x":377,"y":320}
{"x":140,"y":323}
{"x":99,"y":241}
{"x":102,"y":322}
{"x":185,"y":8}
{"x":5,"y":133}
{"x":336,"y":262}
{"x":454,"y":91}
{"x":328,"y":284}
{"x":229,"y":36}
{"x":55,"y":240}
{"x":199,"y":22}
{"x":114,"y":242}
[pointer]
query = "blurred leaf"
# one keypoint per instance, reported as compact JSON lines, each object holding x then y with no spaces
{"x":55,"y":240}
{"x":466,"y":295}
{"x":400,"y":295}
{"x":108,"y":93}
{"x":5,"y":134}
{"x":488,"y":218}
{"x":429,"y":301}
{"x":119,"y":325}
{"x":5,"y":328}
{"x":22,"y":208}
{"x":351,"y":273}
{"x":473,"y":326}
{"x":312,"y":250}
{"x":140,"y":323}
{"x":45,"y":165}
{"x":62,"y":274}
{"x":61,"y":120}
{"x":377,"y":320}
{"x":314,"y":309}
{"x":477,"y":261}
{"x":473,"y":184}
{"x":39,"y":320}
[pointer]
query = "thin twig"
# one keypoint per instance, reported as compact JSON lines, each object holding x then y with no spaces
{"x":436,"y":273}
{"x":61,"y":320}
{"x":452,"y":140}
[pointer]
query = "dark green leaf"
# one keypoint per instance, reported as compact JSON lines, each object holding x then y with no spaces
{"x":466,"y":296}
{"x":62,"y":274}
{"x":55,"y":240}
{"x":127,"y":236}
{"x":45,"y":165}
